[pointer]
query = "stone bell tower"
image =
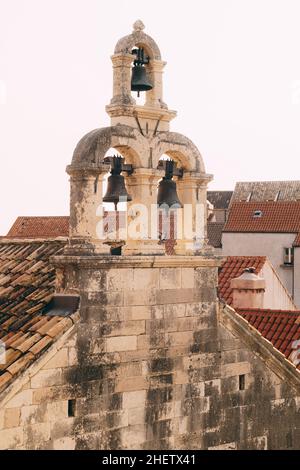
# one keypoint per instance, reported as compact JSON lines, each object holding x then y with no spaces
{"x":143,"y":314}
{"x":141,"y":134}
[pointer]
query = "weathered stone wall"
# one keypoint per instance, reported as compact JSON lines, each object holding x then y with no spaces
{"x":151,"y":365}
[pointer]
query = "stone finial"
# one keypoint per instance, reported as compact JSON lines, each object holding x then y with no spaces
{"x":138,"y":25}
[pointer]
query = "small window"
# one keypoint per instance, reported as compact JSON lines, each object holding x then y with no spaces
{"x":71,"y":408}
{"x":288,"y":256}
{"x":242,"y":382}
{"x":257,"y":213}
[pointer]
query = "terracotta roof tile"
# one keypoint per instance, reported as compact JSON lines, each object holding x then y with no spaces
{"x":41,"y":345}
{"x":280,"y":327}
{"x":39,"y":227}
{"x":27,"y":282}
{"x":275,"y":217}
{"x":233,"y":267}
{"x":20,"y":364}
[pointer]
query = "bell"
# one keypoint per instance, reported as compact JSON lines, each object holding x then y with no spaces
{"x":167,"y":194}
{"x":139,"y":79}
{"x":116,"y":189}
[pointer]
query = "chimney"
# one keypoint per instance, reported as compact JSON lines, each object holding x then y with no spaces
{"x":248,"y":290}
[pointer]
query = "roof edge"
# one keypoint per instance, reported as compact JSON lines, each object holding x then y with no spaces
{"x":272,"y":357}
{"x":16,"y":384}
{"x":19,"y":240}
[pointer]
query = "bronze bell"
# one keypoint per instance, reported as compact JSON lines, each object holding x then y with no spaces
{"x":167,"y":193}
{"x":116,"y":189}
{"x":139,"y":79}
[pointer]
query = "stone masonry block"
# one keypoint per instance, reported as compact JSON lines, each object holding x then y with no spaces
{"x":187,"y":278}
{"x":136,"y":312}
{"x":170,"y":278}
{"x":65,"y":443}
{"x":144,"y":298}
{"x":134,"y":399}
{"x":175,"y":296}
{"x":36,"y":434}
{"x":174,"y":311}
{"x":127,"y":328}
{"x":20,"y":399}
{"x":120,"y":279}
{"x":239,"y":368}
{"x":60,"y":359}
{"x":180,"y":337}
{"x":33,"y":414}
{"x":133,"y":436}
{"x":57,"y":410}
{"x":146,"y":279}
{"x":12,"y":417}
{"x":136,"y":416}
{"x":47,"y":378}
{"x":121,"y":343}
{"x":11,"y":438}
{"x":128,"y":384}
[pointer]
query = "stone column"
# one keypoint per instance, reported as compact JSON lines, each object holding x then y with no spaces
{"x":192,"y":218}
{"x":154,"y":97}
{"x":142,"y":213}
{"x":85,"y":201}
{"x":122,"y":64}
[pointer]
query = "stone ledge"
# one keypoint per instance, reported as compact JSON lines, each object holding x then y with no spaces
{"x":110,"y":261}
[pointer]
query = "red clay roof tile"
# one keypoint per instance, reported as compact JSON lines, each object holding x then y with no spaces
{"x":276,"y":217}
{"x":39,"y":227}
{"x":280,"y":327}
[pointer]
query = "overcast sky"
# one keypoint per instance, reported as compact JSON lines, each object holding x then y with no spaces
{"x":233,"y":75}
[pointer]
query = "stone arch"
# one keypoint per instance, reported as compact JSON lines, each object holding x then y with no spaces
{"x":180,"y":148}
{"x":91,"y":149}
{"x":138,"y":39}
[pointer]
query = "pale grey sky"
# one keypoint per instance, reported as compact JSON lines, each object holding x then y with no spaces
{"x":233,"y":75}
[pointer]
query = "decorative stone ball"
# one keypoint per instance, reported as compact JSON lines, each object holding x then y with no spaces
{"x":138,"y":25}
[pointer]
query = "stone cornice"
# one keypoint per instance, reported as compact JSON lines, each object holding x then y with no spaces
{"x":109,"y":261}
{"x":260,"y":346}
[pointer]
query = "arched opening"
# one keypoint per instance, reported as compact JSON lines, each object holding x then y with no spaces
{"x":114,"y":210}
{"x":168,"y":203}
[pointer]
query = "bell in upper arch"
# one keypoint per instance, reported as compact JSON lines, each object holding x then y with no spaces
{"x":167,"y":192}
{"x":139,"y":79}
{"x":116,"y":189}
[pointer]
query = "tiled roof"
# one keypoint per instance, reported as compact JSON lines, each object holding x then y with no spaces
{"x":271,"y":217}
{"x":26,"y":286}
{"x":219,"y":199}
{"x":297,"y":240}
{"x":266,"y":191}
{"x":233,"y":267}
{"x":39,"y":227}
{"x":214,"y":234}
{"x":281,"y":328}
